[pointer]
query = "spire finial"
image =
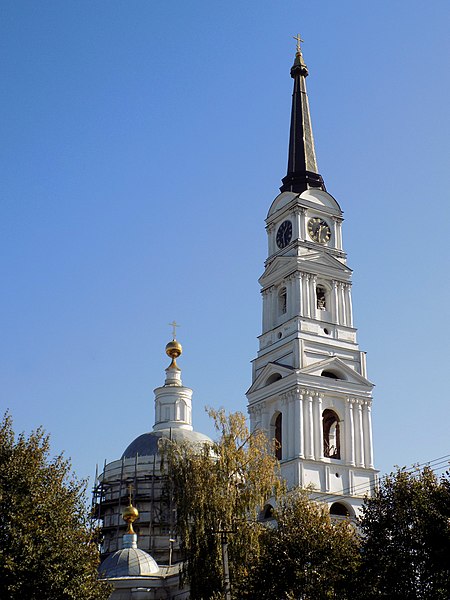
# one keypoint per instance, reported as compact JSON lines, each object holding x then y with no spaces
{"x":302,"y":172}
{"x":174,"y":326}
{"x":130,"y":514}
{"x":299,"y":40}
{"x":174,"y":350}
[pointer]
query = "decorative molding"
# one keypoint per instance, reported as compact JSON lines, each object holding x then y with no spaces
{"x":359,"y":401}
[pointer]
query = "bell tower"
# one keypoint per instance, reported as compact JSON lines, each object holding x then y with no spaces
{"x":309,"y":380}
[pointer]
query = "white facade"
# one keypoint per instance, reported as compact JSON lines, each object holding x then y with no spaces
{"x":139,"y":474}
{"x":309,"y":383}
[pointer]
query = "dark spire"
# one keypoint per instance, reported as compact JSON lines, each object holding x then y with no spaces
{"x":302,"y":171}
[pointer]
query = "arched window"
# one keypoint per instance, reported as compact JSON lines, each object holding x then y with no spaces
{"x":282,"y":301}
{"x":278,"y":437}
{"x":331,"y":434}
{"x":274,"y":377}
{"x":333,"y":374}
{"x":321,"y":297}
{"x":340,"y":510}
{"x":267,"y":512}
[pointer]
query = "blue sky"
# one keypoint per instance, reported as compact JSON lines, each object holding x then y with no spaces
{"x":142,"y":144}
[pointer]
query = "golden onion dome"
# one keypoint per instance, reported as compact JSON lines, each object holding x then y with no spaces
{"x":129,"y":515}
{"x":174,"y":349}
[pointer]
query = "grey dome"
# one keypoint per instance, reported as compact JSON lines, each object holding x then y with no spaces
{"x":128,"y":562}
{"x":147,"y":444}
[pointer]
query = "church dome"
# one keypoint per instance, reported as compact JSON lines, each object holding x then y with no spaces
{"x":147,"y":444}
{"x":128,"y":562}
{"x":173,"y":413}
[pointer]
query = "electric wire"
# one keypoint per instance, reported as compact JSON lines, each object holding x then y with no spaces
{"x":435,"y":464}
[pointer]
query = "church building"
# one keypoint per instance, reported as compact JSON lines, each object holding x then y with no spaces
{"x":309,"y":381}
{"x":309,"y":388}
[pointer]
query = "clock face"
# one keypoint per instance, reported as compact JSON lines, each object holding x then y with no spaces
{"x":284,"y":234}
{"x":319,"y":230}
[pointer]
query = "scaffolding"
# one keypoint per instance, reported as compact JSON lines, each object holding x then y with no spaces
{"x":140,"y":481}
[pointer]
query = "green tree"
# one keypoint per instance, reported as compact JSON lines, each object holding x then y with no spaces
{"x":218,"y":491}
{"x":304,"y":554}
{"x":46,"y":549}
{"x":406,"y":538}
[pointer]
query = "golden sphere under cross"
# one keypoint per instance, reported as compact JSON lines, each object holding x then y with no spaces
{"x":174,"y":349}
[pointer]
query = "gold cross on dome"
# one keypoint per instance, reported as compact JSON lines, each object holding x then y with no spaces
{"x":299,"y":40}
{"x":174,"y":326}
{"x":130,"y":491}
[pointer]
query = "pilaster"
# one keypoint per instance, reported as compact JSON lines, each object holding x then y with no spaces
{"x":367,"y":421}
{"x":350,"y":432}
{"x":318,"y":434}
{"x":309,"y":430}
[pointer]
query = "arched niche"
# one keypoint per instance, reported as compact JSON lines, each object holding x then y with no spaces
{"x":276,"y":429}
{"x":339,"y":509}
{"x":331,"y":434}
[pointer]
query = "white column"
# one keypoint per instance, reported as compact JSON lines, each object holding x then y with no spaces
{"x":362,"y":357}
{"x":265,"y":320}
{"x":291,"y":423}
{"x":268,"y":293}
{"x":292,"y":306}
{"x":335,"y":303}
{"x":287,"y":284}
{"x":265,"y":417}
{"x":297,"y":226}
{"x":359,"y":437}
{"x":289,"y":297}
{"x":298,"y":285}
{"x":313,"y":300}
{"x":327,"y":478}
{"x":299,"y":447}
{"x":303,"y":285}
{"x":251,"y":412}
{"x":307,"y":295}
{"x":271,"y":239}
{"x":348,"y":304}
{"x":303,"y":223}
{"x":368,"y":445}
{"x":309,"y":428}
{"x":349,"y":433}
{"x":342,"y":316}
{"x":273,"y":307}
{"x":338,"y":233}
{"x":318,"y":429}
{"x":284,"y":430}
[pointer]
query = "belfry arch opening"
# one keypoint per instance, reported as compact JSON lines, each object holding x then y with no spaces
{"x":322,"y":297}
{"x":277,"y":436}
{"x":282,"y":301}
{"x":338,"y":509}
{"x":331,"y":434}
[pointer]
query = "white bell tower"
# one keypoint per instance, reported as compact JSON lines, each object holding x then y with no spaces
{"x":309,"y":383}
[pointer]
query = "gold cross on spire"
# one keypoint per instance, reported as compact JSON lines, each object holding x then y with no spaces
{"x":130,"y":491}
{"x":174,"y":326}
{"x":299,"y":40}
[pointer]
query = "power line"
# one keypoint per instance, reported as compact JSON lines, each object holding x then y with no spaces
{"x":435,"y":464}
